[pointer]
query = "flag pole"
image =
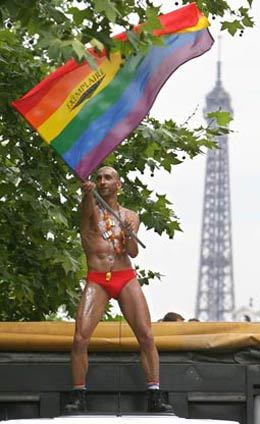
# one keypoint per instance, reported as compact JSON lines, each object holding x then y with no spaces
{"x":106,"y":206}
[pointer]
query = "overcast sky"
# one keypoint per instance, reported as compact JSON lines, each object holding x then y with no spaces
{"x":178,"y":259}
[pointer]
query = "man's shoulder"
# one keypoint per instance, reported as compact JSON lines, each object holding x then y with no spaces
{"x":129,"y":212}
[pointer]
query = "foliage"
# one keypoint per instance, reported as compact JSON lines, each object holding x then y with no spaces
{"x":110,"y":316}
{"x":41,"y":257}
{"x":62,"y":29}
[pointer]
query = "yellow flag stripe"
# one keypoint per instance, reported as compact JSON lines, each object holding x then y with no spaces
{"x":55,"y":124}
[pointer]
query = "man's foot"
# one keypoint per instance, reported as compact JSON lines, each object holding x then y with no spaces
{"x":77,"y":404}
{"x":157,"y":403}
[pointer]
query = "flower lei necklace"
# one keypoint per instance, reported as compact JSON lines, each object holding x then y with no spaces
{"x":112,"y":231}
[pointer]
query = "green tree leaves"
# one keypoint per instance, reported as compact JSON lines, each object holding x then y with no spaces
{"x":41,"y":255}
{"x":222,"y":118}
{"x":56,"y":22}
{"x":108,"y":7}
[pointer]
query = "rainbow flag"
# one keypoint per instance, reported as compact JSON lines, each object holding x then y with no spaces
{"x":84,"y":113}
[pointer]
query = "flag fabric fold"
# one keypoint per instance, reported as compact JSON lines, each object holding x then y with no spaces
{"x":84,"y":113}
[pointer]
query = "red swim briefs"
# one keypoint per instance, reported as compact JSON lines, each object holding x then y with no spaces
{"x":112,"y":282}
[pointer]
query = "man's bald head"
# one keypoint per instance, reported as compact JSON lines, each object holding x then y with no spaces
{"x":110,"y":169}
{"x":108,"y":182}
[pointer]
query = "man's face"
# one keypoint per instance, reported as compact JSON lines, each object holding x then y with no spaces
{"x":107,"y":182}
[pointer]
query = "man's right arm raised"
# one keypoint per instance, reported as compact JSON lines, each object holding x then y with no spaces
{"x":88,"y":207}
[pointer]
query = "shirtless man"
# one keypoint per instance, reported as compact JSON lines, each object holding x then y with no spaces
{"x":110,"y":275}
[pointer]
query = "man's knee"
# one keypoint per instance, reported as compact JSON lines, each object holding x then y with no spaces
{"x":146,"y":339}
{"x":80,"y":343}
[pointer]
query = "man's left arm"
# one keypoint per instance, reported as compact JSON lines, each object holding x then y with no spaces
{"x":131,"y":224}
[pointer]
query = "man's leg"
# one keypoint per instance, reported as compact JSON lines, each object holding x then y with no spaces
{"x":135,"y":309}
{"x":90,"y":311}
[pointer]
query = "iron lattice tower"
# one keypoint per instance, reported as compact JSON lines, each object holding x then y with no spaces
{"x":215,"y":296}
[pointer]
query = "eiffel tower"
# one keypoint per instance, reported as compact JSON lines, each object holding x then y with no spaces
{"x":215,"y":295}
